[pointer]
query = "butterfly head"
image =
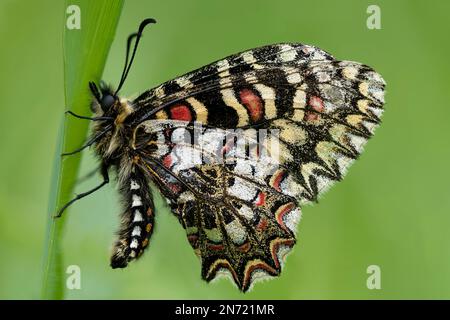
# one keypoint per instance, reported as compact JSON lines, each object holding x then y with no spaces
{"x":108,"y":101}
{"x":108,"y":107}
{"x":105,"y":99}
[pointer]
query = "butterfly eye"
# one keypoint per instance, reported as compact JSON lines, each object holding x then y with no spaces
{"x":107,"y":102}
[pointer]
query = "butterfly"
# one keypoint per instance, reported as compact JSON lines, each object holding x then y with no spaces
{"x":236,"y":147}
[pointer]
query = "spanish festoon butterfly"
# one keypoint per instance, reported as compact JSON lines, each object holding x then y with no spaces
{"x":239,"y":203}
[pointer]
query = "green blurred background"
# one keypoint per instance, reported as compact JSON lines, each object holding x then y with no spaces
{"x":392,"y":210}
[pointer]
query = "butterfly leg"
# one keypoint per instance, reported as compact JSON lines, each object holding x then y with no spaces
{"x":137,"y":219}
{"x":104,"y":171}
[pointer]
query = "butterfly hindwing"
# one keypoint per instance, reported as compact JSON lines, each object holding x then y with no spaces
{"x":240,"y":215}
{"x":236,"y":214}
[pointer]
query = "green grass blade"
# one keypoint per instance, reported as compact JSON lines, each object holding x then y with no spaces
{"x":85,"y":53}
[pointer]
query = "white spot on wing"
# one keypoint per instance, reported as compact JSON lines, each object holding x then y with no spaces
{"x":236,"y":232}
{"x":294,"y":78}
{"x":184,"y":82}
{"x":290,"y":187}
{"x":222,"y":68}
{"x":376,"y":111}
{"x":377,"y":93}
{"x":248,"y":57}
{"x":243,"y":168}
{"x":186,"y":158}
{"x":343,"y":164}
{"x":247,"y":212}
{"x":159,"y":92}
{"x":357,"y":142}
{"x":370,"y":126}
{"x":292,"y":218}
{"x":242,"y":189}
{"x":287,"y":53}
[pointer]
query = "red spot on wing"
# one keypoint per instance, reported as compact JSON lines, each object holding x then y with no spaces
{"x":227,"y":147}
{"x":180,"y":112}
{"x":193,"y":240}
{"x":261,"y":265}
{"x":277,"y":181}
{"x":245,"y":247}
{"x":215,"y":247}
{"x":168,"y":161}
{"x":262,"y":225}
{"x":175,"y":188}
{"x":316,"y":103}
{"x":260,"y":199}
{"x":309,"y":116}
{"x":253,"y":103}
{"x":276,"y":247}
{"x":227,"y":266}
{"x":282,"y":211}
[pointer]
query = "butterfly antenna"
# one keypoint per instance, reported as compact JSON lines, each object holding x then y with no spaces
{"x":138,"y":36}
{"x":95,"y":91}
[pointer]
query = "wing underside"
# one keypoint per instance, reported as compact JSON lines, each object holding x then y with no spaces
{"x":278,"y":125}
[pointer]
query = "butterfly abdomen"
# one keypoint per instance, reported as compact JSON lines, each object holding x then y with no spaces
{"x":137,"y":219}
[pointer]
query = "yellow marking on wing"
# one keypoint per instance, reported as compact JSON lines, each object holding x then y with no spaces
{"x":350,"y":72}
{"x":201,"y":111}
{"x":298,"y":115}
{"x":290,"y":132}
{"x":364,"y":89}
{"x":231,"y":101}
{"x":268,"y":95}
{"x":299,"y":99}
{"x":363,"y":105}
{"x":161,"y":115}
{"x":355,"y":119}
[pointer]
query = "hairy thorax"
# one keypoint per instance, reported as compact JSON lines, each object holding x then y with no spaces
{"x":116,"y":133}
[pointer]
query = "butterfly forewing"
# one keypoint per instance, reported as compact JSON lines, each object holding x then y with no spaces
{"x":304,"y":117}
